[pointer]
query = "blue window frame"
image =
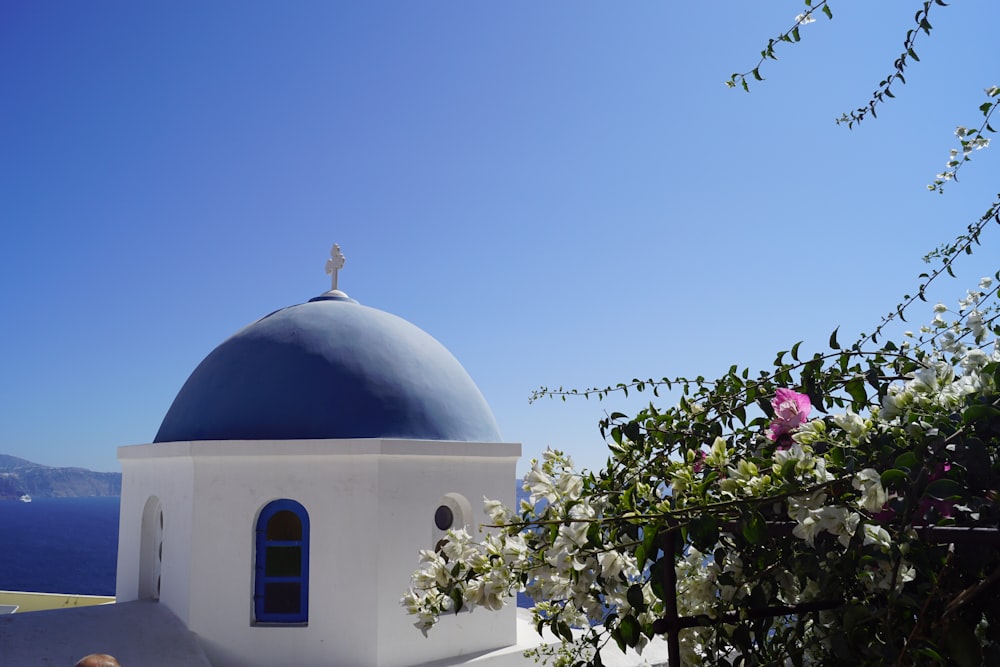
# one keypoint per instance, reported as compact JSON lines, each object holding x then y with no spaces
{"x":281,"y":570}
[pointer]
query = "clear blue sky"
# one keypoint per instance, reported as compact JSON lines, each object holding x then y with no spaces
{"x":563,"y":193}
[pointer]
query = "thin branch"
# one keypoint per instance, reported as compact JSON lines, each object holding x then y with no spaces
{"x":969,"y":140}
{"x":790,"y":36}
{"x":883,"y":91}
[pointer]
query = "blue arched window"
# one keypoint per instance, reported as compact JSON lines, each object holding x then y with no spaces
{"x":281,"y":574}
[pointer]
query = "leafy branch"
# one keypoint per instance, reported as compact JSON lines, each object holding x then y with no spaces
{"x":948,"y":253}
{"x":883,"y":91}
{"x":790,"y":36}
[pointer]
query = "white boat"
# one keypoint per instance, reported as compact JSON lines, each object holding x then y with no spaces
{"x":25,"y":498}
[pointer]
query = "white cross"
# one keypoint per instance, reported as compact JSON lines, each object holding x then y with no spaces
{"x":334,"y":264}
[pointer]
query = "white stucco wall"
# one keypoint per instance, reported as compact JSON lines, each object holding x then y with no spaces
{"x":371,"y":507}
{"x":412,"y":486}
{"x":170,"y":480}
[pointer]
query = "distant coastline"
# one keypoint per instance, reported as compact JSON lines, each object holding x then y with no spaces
{"x":19,"y":477}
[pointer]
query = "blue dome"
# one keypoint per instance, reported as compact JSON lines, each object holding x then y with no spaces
{"x":329,"y":368}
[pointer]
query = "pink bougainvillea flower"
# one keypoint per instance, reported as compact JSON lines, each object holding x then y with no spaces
{"x":791,"y":410}
{"x":699,"y":461}
{"x":944,"y":507}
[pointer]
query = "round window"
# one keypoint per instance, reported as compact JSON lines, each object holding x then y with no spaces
{"x":444,"y":518}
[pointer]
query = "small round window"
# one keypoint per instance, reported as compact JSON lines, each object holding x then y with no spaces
{"x":444,"y":518}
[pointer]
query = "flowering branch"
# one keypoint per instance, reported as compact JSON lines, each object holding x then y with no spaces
{"x":784,"y":512}
{"x":790,"y":36}
{"x":969,"y":140}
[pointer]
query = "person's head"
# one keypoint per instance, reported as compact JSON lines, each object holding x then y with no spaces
{"x":97,"y":660}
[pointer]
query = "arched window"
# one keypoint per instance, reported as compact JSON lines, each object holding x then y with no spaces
{"x":150,"y":549}
{"x":281,"y":571}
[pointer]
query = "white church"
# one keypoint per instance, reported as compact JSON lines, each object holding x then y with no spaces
{"x":277,"y":516}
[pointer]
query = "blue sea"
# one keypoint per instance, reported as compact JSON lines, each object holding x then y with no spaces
{"x":59,"y":545}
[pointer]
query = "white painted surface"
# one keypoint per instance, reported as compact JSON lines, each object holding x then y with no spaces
{"x":371,"y":506}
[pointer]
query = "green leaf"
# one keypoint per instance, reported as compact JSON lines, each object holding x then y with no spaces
{"x":629,"y":629}
{"x":740,"y":413}
{"x":855,"y":615}
{"x":833,"y":339}
{"x":907,"y":461}
{"x":891,"y":476}
{"x":856,"y":388}
{"x":977,"y":412}
{"x":943,"y":489}
{"x":826,"y":10}
{"x":632,"y":431}
{"x":788,"y":469}
{"x":649,"y":541}
{"x":456,"y":597}
{"x":704,"y":532}
{"x":932,"y":654}
{"x":618,"y":636}
{"x":963,"y":645}
{"x":996,"y":373}
{"x":754,"y":528}
{"x":594,"y":536}
{"x":707,"y":482}
{"x":634,"y":597}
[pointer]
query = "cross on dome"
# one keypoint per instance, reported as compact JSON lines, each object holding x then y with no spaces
{"x":334,"y":264}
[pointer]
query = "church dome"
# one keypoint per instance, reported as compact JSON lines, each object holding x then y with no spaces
{"x":329,"y":368}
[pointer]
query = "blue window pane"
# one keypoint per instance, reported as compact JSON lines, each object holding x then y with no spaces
{"x":281,"y":580}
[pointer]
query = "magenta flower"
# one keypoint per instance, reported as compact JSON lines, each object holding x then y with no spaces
{"x":699,"y":461}
{"x":943,"y":507}
{"x":791,"y":410}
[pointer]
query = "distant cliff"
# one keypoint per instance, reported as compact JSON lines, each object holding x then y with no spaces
{"x":19,"y":477}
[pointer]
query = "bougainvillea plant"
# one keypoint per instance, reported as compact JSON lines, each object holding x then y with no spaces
{"x":832,"y":480}
{"x":836,"y":509}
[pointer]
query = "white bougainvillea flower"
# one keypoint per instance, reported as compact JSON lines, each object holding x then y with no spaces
{"x":873,"y":495}
{"x":718,"y":455}
{"x":878,"y":536}
{"x":855,"y":426}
